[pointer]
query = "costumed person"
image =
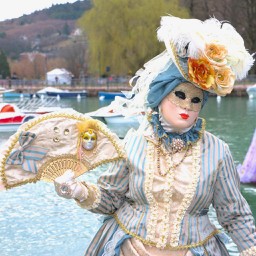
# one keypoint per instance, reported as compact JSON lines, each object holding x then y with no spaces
{"x":157,"y":199}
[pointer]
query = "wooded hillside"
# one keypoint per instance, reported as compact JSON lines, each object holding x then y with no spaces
{"x":114,"y":35}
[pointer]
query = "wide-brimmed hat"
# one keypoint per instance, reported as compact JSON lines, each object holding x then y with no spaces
{"x":209,"y":54}
{"x":46,"y":146}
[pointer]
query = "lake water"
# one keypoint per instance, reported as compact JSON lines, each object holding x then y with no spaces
{"x":35,"y":221}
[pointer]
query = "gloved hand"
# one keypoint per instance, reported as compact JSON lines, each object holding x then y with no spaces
{"x":66,"y":186}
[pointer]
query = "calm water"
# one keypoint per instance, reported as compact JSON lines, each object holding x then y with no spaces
{"x":35,"y":221}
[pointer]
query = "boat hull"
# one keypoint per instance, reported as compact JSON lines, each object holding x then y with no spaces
{"x":251,"y":91}
{"x":109,"y":95}
{"x":12,"y":123}
{"x":67,"y":94}
{"x":16,"y":95}
{"x":121,"y":125}
{"x":12,"y":116}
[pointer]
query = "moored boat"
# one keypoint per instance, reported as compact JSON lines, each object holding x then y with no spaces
{"x":67,"y":94}
{"x":103,"y":95}
{"x":11,"y":117}
{"x":116,"y":117}
{"x":11,"y":93}
{"x":251,"y":91}
{"x":3,"y":91}
{"x":14,"y":95}
{"x":59,"y":93}
{"x":43,"y":92}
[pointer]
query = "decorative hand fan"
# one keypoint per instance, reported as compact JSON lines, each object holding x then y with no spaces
{"x":46,"y":146}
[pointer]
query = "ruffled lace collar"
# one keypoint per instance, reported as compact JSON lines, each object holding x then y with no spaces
{"x":189,"y":137}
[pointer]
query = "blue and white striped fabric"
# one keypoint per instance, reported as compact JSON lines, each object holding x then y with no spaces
{"x":27,"y":154}
{"x":123,"y":192}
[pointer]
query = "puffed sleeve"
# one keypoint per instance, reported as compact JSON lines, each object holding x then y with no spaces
{"x":109,"y":193}
{"x":233,"y":212}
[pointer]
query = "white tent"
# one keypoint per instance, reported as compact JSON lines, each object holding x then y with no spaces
{"x":58,"y":76}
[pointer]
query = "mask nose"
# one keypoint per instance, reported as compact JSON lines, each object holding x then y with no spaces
{"x":187,"y":104}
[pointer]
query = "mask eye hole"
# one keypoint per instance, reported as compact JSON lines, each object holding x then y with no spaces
{"x":196,"y":100}
{"x":180,"y":95}
{"x":86,"y":137}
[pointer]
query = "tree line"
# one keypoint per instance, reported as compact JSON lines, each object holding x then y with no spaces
{"x":122,"y":33}
{"x":119,"y":36}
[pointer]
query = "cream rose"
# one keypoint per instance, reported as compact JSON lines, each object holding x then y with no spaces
{"x":216,"y":54}
{"x":225,"y":79}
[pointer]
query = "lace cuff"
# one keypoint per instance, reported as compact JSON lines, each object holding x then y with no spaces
{"x":93,"y":199}
{"x":249,"y":252}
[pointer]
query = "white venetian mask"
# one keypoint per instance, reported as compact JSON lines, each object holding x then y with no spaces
{"x":89,"y":139}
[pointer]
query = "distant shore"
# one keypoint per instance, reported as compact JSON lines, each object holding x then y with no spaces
{"x":92,"y":90}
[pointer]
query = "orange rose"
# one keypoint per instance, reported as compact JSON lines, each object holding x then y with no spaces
{"x":216,"y":54}
{"x":225,"y":80}
{"x":201,"y":72}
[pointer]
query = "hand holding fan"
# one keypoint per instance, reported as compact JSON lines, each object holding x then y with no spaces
{"x":48,"y":145}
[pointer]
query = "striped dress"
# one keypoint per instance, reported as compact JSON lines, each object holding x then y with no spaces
{"x":170,"y":211}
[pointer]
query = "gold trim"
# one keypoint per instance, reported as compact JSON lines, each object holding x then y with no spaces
{"x":152,"y":243}
{"x":186,"y":201}
{"x":167,"y":198}
{"x":93,"y":198}
{"x":177,"y":62}
{"x":30,"y":124}
{"x":150,"y":166}
{"x":153,"y":206}
{"x":56,"y":166}
{"x":249,"y":252}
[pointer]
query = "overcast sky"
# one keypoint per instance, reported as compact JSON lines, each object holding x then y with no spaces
{"x":16,"y":8}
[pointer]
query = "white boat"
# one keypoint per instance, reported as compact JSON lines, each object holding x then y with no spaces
{"x":103,"y":95}
{"x":251,"y":91}
{"x":68,"y":94}
{"x":116,"y":118}
{"x":121,"y":125}
{"x":116,"y":121}
{"x":56,"y":92}
{"x":43,"y":92}
{"x":3,"y":90}
{"x":12,"y":115}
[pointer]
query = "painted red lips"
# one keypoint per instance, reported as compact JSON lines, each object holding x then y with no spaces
{"x":184,"y":116}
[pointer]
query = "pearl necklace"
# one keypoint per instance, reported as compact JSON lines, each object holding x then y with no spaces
{"x":170,"y":166}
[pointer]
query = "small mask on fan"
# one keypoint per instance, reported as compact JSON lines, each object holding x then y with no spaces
{"x":89,"y":139}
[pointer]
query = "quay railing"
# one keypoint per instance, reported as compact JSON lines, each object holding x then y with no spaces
{"x":91,"y":84}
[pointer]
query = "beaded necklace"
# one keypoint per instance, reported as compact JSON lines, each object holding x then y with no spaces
{"x":170,"y":164}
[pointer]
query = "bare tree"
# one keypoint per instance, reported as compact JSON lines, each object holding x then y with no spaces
{"x":241,"y":14}
{"x":75,"y":55}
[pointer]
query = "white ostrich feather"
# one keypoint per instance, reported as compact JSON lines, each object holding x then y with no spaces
{"x":188,"y":38}
{"x":176,"y":31}
{"x":195,"y":34}
{"x":144,"y":76}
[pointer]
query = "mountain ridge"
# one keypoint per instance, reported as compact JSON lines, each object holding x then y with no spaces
{"x":41,"y":30}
